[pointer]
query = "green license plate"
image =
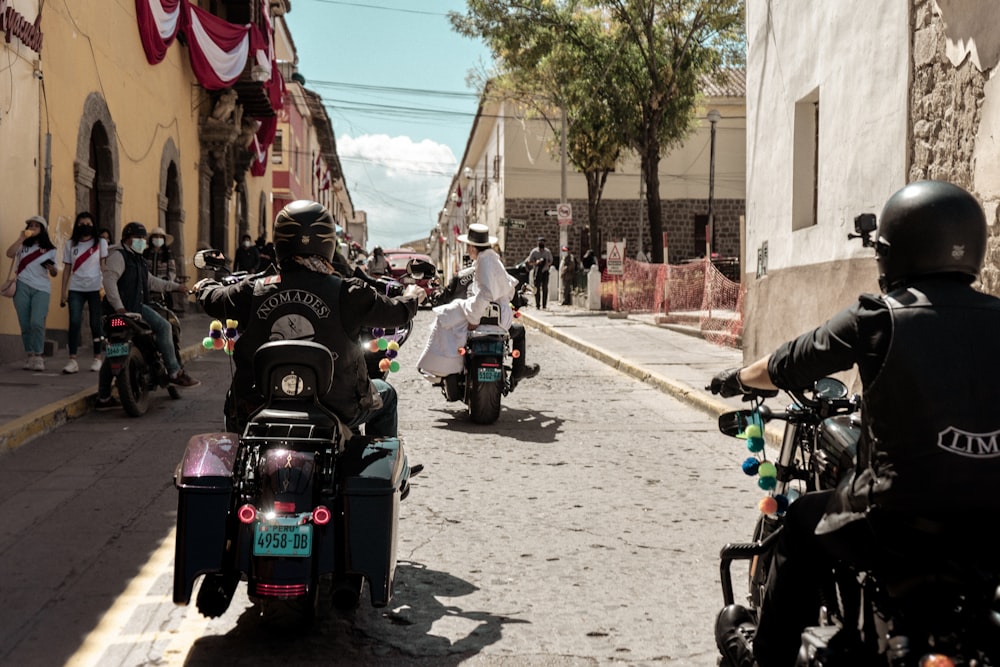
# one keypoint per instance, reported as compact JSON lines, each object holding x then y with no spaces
{"x":486,"y":374}
{"x":279,"y":540}
{"x":118,"y":349}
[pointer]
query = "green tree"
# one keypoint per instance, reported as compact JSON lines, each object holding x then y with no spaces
{"x":554,"y":60}
{"x":627,"y":72}
{"x":670,"y":47}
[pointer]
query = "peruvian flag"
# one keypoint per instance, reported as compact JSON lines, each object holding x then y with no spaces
{"x":318,"y":169}
{"x":325,"y":182}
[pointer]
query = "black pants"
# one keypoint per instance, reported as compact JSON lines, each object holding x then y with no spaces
{"x":541,"y":289}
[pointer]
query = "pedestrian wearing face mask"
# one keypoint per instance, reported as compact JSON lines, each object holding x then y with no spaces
{"x":34,"y":257}
{"x":83,"y":264}
{"x":160,"y":259}
{"x":247,"y":256}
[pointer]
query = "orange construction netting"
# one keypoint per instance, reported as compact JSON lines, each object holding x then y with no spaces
{"x":695,"y":291}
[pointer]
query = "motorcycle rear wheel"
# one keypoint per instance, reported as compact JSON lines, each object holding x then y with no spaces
{"x":133,"y":390}
{"x":484,"y":400}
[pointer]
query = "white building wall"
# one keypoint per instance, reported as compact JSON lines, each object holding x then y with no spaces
{"x":855,"y":54}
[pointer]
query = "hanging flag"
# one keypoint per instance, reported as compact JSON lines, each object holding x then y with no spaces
{"x":325,"y":182}
{"x":458,"y":202}
{"x":318,"y":169}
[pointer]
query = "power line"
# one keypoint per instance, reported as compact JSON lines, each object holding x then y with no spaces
{"x":388,"y":9}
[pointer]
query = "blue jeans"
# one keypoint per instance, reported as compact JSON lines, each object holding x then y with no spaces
{"x":76,"y":300}
{"x":164,"y":338}
{"x":32,"y":305}
{"x":383,"y":422}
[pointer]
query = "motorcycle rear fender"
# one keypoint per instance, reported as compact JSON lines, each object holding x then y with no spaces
{"x":375,"y":471}
{"x":204,"y":480}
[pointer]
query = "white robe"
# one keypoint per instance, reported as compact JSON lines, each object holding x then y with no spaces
{"x":490,"y":283}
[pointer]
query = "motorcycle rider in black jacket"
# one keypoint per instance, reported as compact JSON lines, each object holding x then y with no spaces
{"x":928,"y":360}
{"x":309,"y":300}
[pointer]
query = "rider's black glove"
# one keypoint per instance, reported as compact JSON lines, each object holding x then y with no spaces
{"x":727,"y":384}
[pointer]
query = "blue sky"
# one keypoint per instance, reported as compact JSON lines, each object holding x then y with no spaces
{"x":392,"y":74}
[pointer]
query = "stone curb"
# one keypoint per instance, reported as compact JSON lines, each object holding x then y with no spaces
{"x":698,"y":399}
{"x":38,"y":422}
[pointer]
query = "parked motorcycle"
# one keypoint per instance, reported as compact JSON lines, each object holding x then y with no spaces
{"x":137,"y":367}
{"x":924,"y":609}
{"x":298,"y":506}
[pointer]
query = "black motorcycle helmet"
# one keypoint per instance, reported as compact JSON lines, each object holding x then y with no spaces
{"x":929,"y":227}
{"x":304,"y":228}
{"x":134,"y":230}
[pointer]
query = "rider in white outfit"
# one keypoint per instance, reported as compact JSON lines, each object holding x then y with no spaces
{"x":491,"y":283}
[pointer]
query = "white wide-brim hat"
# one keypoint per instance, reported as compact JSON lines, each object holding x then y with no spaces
{"x":479,"y":235}
{"x":162,"y":232}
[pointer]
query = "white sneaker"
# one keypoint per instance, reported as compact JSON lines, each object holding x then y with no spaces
{"x":96,"y":365}
{"x":37,"y":364}
{"x":71,"y":367}
{"x":29,"y":365}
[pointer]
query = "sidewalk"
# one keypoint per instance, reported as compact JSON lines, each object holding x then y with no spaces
{"x":32,"y":404}
{"x":679,"y":364}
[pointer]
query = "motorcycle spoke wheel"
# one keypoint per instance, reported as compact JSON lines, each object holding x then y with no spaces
{"x":133,"y":389}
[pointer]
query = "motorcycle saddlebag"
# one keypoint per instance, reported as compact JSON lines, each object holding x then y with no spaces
{"x":204,"y":480}
{"x":375,"y":472}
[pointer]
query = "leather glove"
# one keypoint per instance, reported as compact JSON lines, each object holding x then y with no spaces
{"x":727,"y":384}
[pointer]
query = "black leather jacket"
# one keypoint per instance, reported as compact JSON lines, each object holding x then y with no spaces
{"x":304,"y":305}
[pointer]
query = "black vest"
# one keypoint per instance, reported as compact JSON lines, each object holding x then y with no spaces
{"x":303,"y":305}
{"x":932,"y":424}
{"x":133,"y":284}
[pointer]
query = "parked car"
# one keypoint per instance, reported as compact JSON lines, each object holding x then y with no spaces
{"x":398,"y":259}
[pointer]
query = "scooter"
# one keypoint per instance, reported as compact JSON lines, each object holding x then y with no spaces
{"x":298,"y":506}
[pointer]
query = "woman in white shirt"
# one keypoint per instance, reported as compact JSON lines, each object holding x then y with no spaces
{"x":83,"y":260}
{"x":35,"y":260}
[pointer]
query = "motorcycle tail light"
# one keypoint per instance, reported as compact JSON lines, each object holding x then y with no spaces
{"x":118,"y":323}
{"x":284,"y":507}
{"x":515,"y":353}
{"x":247,"y":513}
{"x":461,"y":351}
{"x":936,"y":660}
{"x":321,"y":516}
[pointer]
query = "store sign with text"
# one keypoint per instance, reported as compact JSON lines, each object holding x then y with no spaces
{"x":13,"y":24}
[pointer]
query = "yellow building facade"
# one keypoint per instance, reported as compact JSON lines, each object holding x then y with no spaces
{"x":88,"y":122}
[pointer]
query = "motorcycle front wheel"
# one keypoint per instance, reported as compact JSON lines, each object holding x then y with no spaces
{"x":484,"y":400}
{"x":133,"y":388}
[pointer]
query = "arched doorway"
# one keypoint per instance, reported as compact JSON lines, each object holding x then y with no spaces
{"x":96,"y":166}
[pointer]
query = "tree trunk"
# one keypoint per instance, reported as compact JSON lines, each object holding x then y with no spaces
{"x":596,"y":181}
{"x":651,"y":172}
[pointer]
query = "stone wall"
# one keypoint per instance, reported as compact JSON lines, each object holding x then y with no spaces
{"x":946,"y":105}
{"x":619,"y":218}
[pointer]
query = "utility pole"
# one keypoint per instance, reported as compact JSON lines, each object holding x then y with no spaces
{"x":713,"y":117}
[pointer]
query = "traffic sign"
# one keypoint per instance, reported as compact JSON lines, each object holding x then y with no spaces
{"x":616,"y":258}
{"x":564,"y":213}
{"x":514,"y":223}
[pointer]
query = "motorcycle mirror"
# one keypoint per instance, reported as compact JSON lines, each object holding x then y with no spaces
{"x":734,"y":423}
{"x":419,"y":268}
{"x":209,"y":258}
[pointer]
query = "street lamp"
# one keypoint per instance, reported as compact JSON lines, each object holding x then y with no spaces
{"x":713,"y":117}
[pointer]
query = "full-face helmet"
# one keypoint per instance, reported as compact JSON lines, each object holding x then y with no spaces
{"x":929,"y":227}
{"x":304,"y":228}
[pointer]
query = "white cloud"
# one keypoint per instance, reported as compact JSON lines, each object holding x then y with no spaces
{"x":401,"y":184}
